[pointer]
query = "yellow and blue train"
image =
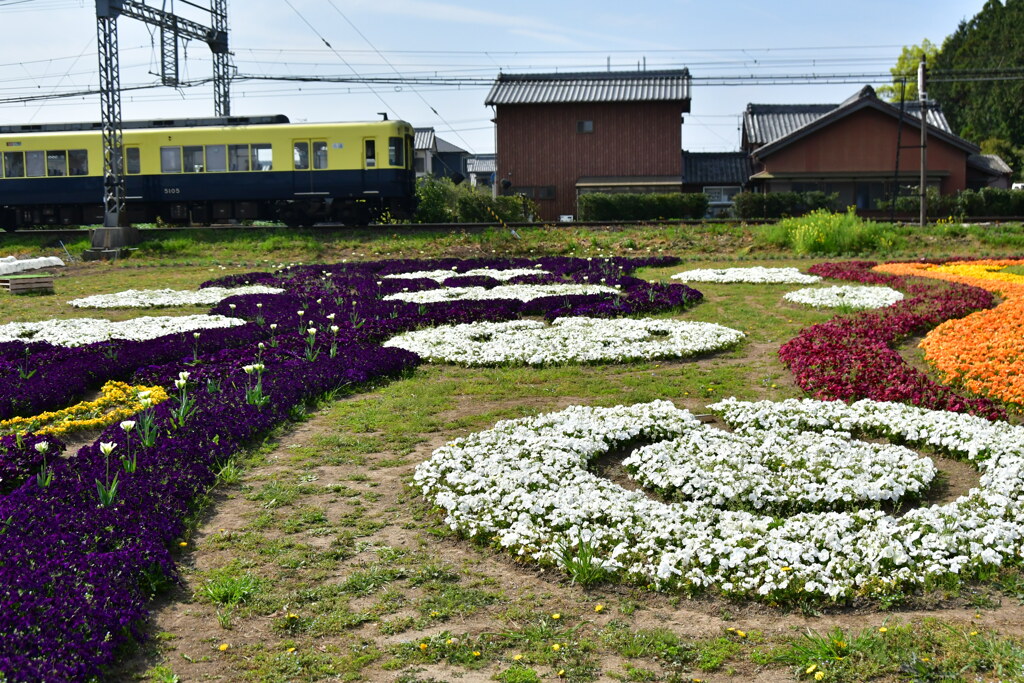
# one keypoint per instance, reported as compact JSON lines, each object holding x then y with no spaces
{"x":202,"y":171}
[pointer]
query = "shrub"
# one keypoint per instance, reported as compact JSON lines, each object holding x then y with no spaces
{"x":442,"y":201}
{"x":599,"y":206}
{"x":750,"y":205}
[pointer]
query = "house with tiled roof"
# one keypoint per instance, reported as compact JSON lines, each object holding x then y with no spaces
{"x":563,"y":134}
{"x":719,"y":175}
{"x":435,"y":156}
{"x":864,"y":149}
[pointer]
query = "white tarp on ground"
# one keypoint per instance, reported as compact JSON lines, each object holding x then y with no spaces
{"x":10,"y":264}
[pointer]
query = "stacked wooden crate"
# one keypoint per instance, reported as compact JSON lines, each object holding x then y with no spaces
{"x":22,"y":284}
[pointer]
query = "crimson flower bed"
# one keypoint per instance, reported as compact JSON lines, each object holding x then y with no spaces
{"x":853,"y":356}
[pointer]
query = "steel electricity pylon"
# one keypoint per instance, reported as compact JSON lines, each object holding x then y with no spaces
{"x":172,"y":29}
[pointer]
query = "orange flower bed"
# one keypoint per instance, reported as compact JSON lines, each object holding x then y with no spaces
{"x":983,"y":352}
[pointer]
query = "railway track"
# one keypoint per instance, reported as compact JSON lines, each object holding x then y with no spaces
{"x":67,"y":233}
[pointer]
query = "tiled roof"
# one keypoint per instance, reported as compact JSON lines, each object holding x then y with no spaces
{"x":716,"y":168}
{"x":864,"y":99}
{"x":764,"y":123}
{"x":423,"y":138}
{"x":445,"y":147}
{"x":989,"y":163}
{"x":596,"y":86}
{"x":481,"y":165}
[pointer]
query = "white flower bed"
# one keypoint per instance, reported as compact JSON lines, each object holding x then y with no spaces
{"x":442,"y":275}
{"x":851,"y":296}
{"x":148,"y":298}
{"x":756,"y":274}
{"x":11,"y":264}
{"x":779,"y":471}
{"x":566,"y":340}
{"x":525,"y":485}
{"x":80,"y":331}
{"x":521,"y":292}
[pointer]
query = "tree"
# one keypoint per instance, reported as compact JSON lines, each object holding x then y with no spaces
{"x":906,"y":68}
{"x":977,"y":78}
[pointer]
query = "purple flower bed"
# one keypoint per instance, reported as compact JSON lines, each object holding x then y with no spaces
{"x":20,"y":458}
{"x":76,"y":574}
{"x":853,"y":357}
{"x":61,"y":376}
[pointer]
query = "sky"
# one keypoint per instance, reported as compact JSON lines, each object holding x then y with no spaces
{"x":49,"y":49}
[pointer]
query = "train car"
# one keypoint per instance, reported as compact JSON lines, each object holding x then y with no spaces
{"x":202,"y":171}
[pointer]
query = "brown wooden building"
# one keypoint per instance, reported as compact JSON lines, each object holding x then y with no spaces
{"x":852,"y":149}
{"x":563,"y":134}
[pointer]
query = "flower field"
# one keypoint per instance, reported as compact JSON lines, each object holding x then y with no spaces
{"x":494,"y":467}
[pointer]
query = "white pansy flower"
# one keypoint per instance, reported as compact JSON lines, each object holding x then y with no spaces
{"x":850,"y":296}
{"x":441,"y":275}
{"x":756,"y":274}
{"x":146,"y":298}
{"x":520,"y":292}
{"x":81,"y":331}
{"x":566,"y":340}
{"x":526,"y":484}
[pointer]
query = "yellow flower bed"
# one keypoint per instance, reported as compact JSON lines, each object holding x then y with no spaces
{"x":984,"y":351}
{"x":118,"y":401}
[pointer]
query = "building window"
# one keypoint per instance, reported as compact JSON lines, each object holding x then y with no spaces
{"x":529,"y":192}
{"x":585,"y":126}
{"x":546,"y":192}
{"x":721,"y":194}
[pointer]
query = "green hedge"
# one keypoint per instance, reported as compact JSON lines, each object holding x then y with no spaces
{"x":989,"y":201}
{"x":598,"y":206}
{"x":749,"y":205}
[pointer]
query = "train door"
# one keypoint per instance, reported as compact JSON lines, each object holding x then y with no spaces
{"x":369,"y":164}
{"x":309,"y":157}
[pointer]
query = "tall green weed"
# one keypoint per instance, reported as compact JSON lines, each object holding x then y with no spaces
{"x":824,"y":232}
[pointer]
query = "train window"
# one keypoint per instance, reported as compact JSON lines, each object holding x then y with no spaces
{"x":396,"y":151}
{"x":170,"y":159}
{"x":56,"y":163}
{"x":192,"y":157}
{"x":262,"y":158}
{"x":14,"y":164}
{"x":371,"y":153}
{"x":216,"y":158}
{"x":78,"y":162}
{"x":132,"y":160}
{"x":319,"y":154}
{"x":300,"y":153}
{"x":35,"y":164}
{"x":238,"y":157}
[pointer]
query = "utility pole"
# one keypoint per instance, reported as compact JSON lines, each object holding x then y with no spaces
{"x":114,"y":235}
{"x":924,"y":140}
